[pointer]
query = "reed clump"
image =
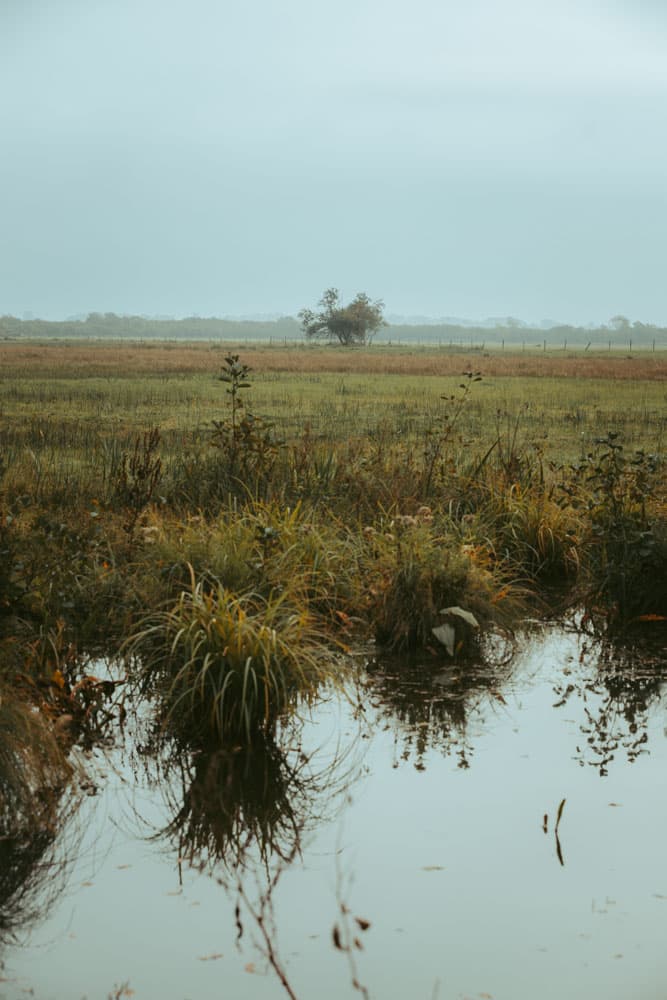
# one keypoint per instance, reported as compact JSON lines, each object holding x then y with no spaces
{"x":261,"y":548}
{"x":528,"y":528}
{"x":418,"y":570}
{"x":223,"y":666}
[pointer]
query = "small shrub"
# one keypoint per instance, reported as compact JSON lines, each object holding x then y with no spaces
{"x":625,"y":549}
{"x":246,"y":444}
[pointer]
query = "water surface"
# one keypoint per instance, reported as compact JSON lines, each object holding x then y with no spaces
{"x":430,"y":814}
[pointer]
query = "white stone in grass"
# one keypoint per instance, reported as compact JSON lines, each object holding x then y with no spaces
{"x":467,"y":616}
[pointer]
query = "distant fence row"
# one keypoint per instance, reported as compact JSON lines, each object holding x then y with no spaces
{"x":462,"y":344}
{"x":546,"y":346}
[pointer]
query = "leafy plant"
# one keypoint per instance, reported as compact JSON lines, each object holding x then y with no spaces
{"x":245,"y":442}
{"x":626,"y":550}
{"x":235,"y":375}
{"x":438,"y":437}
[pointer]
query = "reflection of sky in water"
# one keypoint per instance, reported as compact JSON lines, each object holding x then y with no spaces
{"x":450,"y":865}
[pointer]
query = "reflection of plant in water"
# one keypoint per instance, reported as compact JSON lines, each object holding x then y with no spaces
{"x":617,"y":699}
{"x":241,"y":813}
{"x":430,"y":707}
{"x":234,"y":800}
{"x":235,"y":805}
{"x":36,"y":801}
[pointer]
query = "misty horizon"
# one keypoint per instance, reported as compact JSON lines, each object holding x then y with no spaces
{"x":465,"y":161}
{"x":617,"y":323}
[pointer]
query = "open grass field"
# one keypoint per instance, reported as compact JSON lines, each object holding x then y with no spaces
{"x":163,"y":358}
{"x":75,"y":394}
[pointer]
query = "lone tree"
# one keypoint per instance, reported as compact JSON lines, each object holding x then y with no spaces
{"x":356,"y":323}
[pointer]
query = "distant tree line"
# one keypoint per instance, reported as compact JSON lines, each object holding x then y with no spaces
{"x":144,"y":327}
{"x":356,"y":323}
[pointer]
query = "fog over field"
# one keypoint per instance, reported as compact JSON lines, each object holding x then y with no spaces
{"x":223,"y":158}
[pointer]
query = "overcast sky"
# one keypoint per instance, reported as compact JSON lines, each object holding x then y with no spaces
{"x":466,"y":158}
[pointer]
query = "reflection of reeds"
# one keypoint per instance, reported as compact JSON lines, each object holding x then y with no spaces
{"x":232,"y":804}
{"x":429,"y":707}
{"x":36,"y":800}
{"x":233,"y":798}
{"x":618,"y":684}
{"x":241,"y":813}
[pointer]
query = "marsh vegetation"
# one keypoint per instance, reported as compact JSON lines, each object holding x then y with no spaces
{"x":228,"y":530}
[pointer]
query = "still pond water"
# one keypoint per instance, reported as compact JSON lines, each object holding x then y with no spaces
{"x":431,"y":814}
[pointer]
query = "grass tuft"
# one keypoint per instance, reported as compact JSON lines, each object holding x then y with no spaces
{"x":224,"y":666}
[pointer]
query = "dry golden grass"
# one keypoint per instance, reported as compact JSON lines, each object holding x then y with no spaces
{"x":73,"y":360}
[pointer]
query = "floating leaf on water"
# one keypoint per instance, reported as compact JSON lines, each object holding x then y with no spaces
{"x":467,"y":616}
{"x":362,"y":924}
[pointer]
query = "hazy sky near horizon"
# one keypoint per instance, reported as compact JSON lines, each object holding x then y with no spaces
{"x":225,"y":157}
